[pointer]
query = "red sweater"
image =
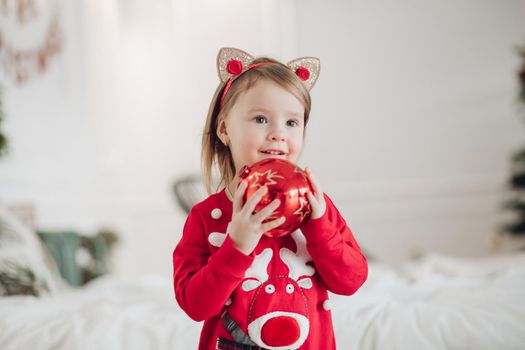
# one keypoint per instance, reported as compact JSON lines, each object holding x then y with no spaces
{"x":278,"y":294}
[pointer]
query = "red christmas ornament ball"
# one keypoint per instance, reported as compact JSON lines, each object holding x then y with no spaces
{"x":286,"y":182}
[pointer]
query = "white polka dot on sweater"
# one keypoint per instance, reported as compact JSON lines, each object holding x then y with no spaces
{"x":327,"y":305}
{"x":216,"y":213}
{"x":216,"y":239}
{"x":228,"y":302}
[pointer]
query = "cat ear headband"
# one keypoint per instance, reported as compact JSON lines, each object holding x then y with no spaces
{"x":231,"y":63}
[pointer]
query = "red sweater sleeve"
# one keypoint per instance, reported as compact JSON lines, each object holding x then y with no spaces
{"x":203,"y":282}
{"x":335,"y":252}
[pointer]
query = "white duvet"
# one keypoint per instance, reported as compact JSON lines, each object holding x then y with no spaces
{"x":435,"y":303}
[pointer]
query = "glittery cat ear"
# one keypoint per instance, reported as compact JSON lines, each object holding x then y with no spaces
{"x":232,"y":62}
{"x":307,"y":69}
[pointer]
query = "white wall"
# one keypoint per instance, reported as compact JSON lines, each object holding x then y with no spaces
{"x":416,"y":105}
{"x":412,"y":126}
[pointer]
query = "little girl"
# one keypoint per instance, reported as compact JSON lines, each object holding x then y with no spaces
{"x":253,"y":291}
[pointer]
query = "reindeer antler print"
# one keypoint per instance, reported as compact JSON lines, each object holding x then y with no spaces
{"x":257,"y":274}
{"x":297,"y":262}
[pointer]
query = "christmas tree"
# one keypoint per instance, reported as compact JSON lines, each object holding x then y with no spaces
{"x":517,"y":178}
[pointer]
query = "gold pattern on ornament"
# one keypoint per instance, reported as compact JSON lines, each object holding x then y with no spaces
{"x":268,"y":176}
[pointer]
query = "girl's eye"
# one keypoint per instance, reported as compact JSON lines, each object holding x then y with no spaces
{"x":260,"y":119}
{"x":292,"y":123}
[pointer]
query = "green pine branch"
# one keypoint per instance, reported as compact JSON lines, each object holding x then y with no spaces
{"x":521,"y":75}
{"x":3,"y":138}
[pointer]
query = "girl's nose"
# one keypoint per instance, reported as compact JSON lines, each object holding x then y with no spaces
{"x":277,"y":134}
{"x":278,"y":138}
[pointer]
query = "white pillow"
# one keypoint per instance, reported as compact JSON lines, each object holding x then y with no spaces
{"x":26,"y":267}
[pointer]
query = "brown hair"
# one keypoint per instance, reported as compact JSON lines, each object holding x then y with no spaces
{"x":214,"y":152}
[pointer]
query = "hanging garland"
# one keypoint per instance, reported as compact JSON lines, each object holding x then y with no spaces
{"x":20,"y":19}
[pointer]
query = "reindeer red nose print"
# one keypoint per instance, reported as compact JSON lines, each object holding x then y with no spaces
{"x":286,"y":182}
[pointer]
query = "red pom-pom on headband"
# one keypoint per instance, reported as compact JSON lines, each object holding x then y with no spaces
{"x":302,"y":73}
{"x":231,"y":63}
{"x":234,"y":67}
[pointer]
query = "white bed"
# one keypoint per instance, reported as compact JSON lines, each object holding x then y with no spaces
{"x":436,"y":302}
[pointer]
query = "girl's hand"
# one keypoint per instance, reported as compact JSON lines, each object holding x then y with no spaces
{"x":246,"y":229}
{"x":316,"y":199}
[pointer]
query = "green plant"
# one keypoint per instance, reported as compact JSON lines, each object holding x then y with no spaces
{"x":517,"y":177}
{"x":3,"y":138}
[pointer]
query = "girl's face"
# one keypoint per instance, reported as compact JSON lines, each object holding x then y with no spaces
{"x":266,"y":121}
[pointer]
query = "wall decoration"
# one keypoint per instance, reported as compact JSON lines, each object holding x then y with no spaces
{"x":30,"y":37}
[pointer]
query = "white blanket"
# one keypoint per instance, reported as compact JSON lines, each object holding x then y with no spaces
{"x":435,"y":303}
{"x":110,"y":313}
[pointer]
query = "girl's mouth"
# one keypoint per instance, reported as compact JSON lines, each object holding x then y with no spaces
{"x":274,"y":152}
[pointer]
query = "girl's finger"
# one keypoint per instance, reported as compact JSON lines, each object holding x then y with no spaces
{"x":250,"y":205}
{"x":313,"y":181}
{"x":273,"y":224}
{"x":237,"y":197}
{"x":267,"y":211}
{"x":318,"y":205}
{"x":311,"y":199}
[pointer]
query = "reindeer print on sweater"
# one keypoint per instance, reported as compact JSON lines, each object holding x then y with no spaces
{"x":278,"y":307}
{"x":277,"y":296}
